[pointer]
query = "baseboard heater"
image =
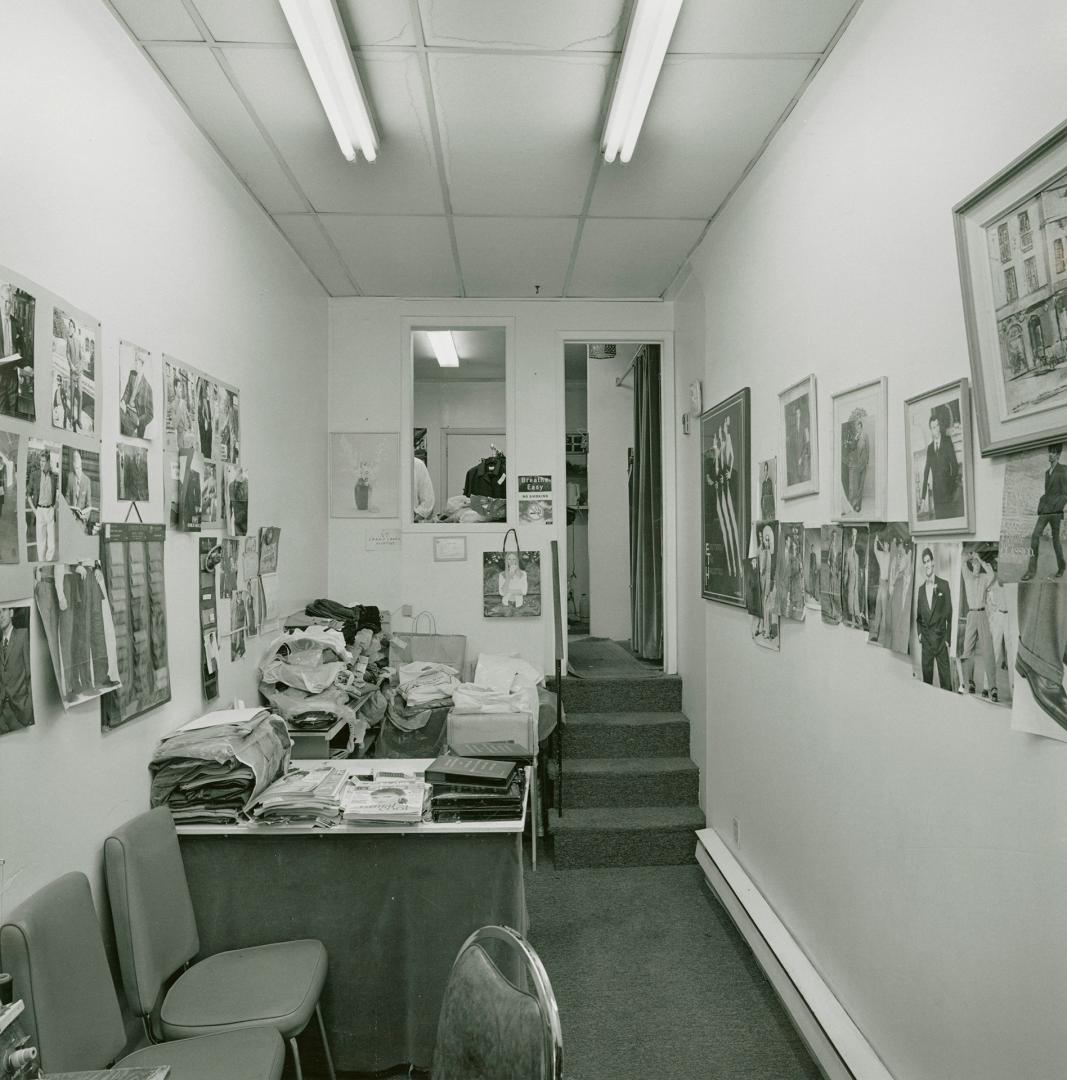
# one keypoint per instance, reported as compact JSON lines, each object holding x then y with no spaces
{"x":838,"y":1046}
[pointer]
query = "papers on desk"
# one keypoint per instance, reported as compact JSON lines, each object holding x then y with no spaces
{"x":303,"y":798}
{"x":392,"y":800}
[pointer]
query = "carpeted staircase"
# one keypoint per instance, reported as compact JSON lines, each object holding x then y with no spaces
{"x":629,"y":786}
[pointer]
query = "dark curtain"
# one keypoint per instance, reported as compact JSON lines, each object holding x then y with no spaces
{"x":646,"y":511}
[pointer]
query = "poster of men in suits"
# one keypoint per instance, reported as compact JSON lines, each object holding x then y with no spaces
{"x":17,"y":311}
{"x":137,"y":407}
{"x":890,"y":564}
{"x":936,"y":602}
{"x":9,"y":507}
{"x":813,"y":568}
{"x":854,"y":577}
{"x":725,"y":494}
{"x":132,"y":472}
{"x":74,"y":352}
{"x":1031,"y":529}
{"x":766,"y":629}
{"x":80,"y":484}
{"x":43,"y":463}
{"x":830,"y":573}
{"x":791,"y":571}
{"x":986,"y":629}
{"x":16,"y":692}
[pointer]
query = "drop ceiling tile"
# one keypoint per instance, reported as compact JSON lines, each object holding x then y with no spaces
{"x":707,"y":119}
{"x":519,"y":133}
{"x":396,"y":256}
{"x":592,"y":25}
{"x":304,"y":233}
{"x":404,"y":178}
{"x":629,"y":257}
{"x":245,"y":20}
{"x":158,"y":20}
{"x":757,"y":26}
{"x":199,"y":81}
{"x":377,"y":22}
{"x":509,"y":256}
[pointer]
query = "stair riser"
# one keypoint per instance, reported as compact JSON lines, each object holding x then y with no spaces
{"x":644,"y":847}
{"x":622,"y":695}
{"x":653,"y":789}
{"x":591,"y":740}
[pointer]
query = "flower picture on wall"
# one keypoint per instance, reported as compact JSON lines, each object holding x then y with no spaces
{"x":364,"y":475}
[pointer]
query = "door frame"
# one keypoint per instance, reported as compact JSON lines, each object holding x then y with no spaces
{"x":668,"y":463}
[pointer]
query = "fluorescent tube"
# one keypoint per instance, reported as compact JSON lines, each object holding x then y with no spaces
{"x":651,"y":26}
{"x":320,"y":37}
{"x":444,"y":347}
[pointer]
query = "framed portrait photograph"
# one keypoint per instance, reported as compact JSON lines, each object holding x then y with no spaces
{"x":861,"y":472}
{"x":798,"y":439}
{"x":725,"y":493}
{"x":1011,"y":240}
{"x":364,"y":474}
{"x":937,"y":436}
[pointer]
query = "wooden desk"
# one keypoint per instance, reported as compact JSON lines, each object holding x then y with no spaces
{"x":392,"y":904}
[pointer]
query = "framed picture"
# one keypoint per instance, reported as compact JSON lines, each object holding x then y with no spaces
{"x":364,"y":475}
{"x":861,"y":467}
{"x":798,"y":439}
{"x":937,"y":435}
{"x":1011,"y":239}
{"x":725,"y":491}
{"x":449,"y":549}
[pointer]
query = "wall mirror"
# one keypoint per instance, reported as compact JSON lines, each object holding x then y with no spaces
{"x":459,"y":425}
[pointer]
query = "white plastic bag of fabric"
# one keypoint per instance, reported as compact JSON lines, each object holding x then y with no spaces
{"x":501,"y":671}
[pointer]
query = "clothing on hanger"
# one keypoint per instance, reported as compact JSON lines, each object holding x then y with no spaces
{"x":488,"y":477}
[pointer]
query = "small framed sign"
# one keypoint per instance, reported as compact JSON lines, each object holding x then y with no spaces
{"x":449,"y":549}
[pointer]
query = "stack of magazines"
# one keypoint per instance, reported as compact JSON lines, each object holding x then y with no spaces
{"x":302,"y":798}
{"x":385,"y":800}
{"x":475,"y":789}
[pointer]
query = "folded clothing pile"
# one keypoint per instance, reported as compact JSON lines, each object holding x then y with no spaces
{"x":425,"y":683}
{"x":502,"y":683}
{"x":352,"y":619}
{"x":210,"y":770}
{"x":464,"y":509}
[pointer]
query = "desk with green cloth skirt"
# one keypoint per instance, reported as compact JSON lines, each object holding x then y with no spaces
{"x":391,"y":903}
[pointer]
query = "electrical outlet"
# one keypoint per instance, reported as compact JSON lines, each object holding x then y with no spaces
{"x":405,"y":611}
{"x":737,"y":834}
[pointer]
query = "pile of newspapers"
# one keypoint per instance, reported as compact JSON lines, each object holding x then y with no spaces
{"x":400,"y":799}
{"x":303,"y":797}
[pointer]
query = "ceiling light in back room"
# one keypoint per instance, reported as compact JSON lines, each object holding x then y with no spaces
{"x":649,"y":34}
{"x":444,"y":347}
{"x":320,"y":37}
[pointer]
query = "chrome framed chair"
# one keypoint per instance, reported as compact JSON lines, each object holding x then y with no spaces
{"x":276,"y":985}
{"x":489,"y":1027}
{"x":51,"y":946}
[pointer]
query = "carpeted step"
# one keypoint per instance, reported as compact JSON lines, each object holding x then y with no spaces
{"x":635,"y":836}
{"x":630,"y":781}
{"x":660,"y":694}
{"x":631,"y":734}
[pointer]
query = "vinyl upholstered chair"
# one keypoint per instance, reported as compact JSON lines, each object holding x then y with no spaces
{"x":277,"y":985}
{"x":490,"y":1028}
{"x":51,"y":946}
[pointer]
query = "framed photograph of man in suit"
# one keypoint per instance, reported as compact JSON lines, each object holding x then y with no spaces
{"x":16,"y":691}
{"x":940,"y":460}
{"x":798,"y":439}
{"x":860,"y":477}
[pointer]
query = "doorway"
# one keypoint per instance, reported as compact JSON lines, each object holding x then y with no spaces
{"x":614,"y":485}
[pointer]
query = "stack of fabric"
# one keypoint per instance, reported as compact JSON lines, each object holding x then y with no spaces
{"x":414,"y":714}
{"x":352,"y":618}
{"x":212,"y":769}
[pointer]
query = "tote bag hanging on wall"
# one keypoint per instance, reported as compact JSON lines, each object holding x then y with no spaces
{"x":511,"y":582}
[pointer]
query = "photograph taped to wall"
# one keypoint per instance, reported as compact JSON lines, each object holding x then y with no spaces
{"x":210,"y":503}
{"x":9,"y":503}
{"x":854,"y":576}
{"x":131,"y":464}
{"x":75,"y":348}
{"x":830,"y":574}
{"x":1040,"y":703}
{"x":207,"y":592}
{"x":860,"y":475}
{"x":1011,"y":238}
{"x":17,"y":313}
{"x":890,"y":563}
{"x":986,"y":627}
{"x":202,"y":413}
{"x":798,"y":438}
{"x":249,"y":564}
{"x":766,"y":630}
{"x":137,"y":377}
{"x":1031,"y":522}
{"x":73,"y":603}
{"x":937,"y":428}
{"x":43,"y":464}
{"x":190,"y":487}
{"x":936,"y":600}
{"x":269,"y":610}
{"x":132,"y":557}
{"x":790,"y":571}
{"x":767,"y":485}
{"x":16,"y":672}
{"x":80,"y":484}
{"x":813,"y":568}
{"x":364,"y":474}
{"x":269,"y":539}
{"x":235,"y":499}
{"x":725,"y":490}
{"x":511,"y":584}
{"x":228,"y":568}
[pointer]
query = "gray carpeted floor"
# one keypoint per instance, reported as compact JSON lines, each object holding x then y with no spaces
{"x":653,"y":981}
{"x":603,"y":658}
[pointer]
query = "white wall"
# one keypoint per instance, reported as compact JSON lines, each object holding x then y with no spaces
{"x":110,"y":198}
{"x":611,"y":434}
{"x":913,"y":844}
{"x":367,"y":353}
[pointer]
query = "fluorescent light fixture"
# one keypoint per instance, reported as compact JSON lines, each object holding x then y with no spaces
{"x":444,"y":347}
{"x":651,"y":26}
{"x":320,"y":37}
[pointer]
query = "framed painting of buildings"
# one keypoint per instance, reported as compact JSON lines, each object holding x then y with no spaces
{"x":1011,"y":239}
{"x":725,"y":494}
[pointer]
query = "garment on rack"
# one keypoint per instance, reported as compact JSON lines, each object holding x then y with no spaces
{"x":488,"y":478}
